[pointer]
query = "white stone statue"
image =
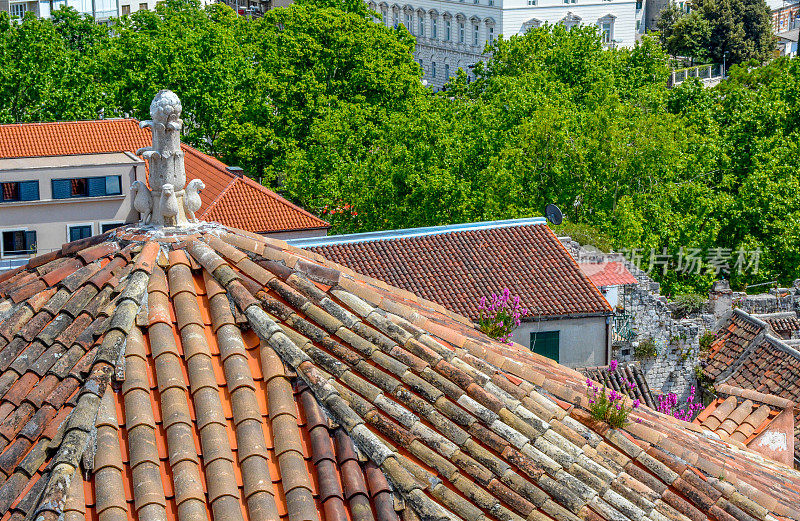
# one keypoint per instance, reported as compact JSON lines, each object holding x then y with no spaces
{"x":191,"y":200}
{"x":169,"y":205}
{"x":166,"y":202}
{"x":142,"y":200}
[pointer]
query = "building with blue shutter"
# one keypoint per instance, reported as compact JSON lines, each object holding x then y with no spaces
{"x":47,"y":201}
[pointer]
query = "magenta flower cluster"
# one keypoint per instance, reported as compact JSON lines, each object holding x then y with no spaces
{"x":608,"y":405}
{"x":686,"y":411}
{"x":500,"y":315}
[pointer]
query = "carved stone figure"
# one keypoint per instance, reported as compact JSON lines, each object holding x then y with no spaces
{"x":166,"y":203}
{"x":142,"y":200}
{"x":191,"y":201}
{"x":169,"y":205}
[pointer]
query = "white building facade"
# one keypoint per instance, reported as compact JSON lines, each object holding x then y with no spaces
{"x":453,"y":34}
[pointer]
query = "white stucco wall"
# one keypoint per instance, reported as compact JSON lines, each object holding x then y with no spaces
{"x":582,"y":341}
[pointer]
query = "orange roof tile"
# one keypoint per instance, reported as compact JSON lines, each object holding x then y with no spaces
{"x":227,"y":198}
{"x":611,"y":273}
{"x":210,"y":373}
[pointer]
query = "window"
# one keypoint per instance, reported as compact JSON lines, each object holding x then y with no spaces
{"x":461,"y":32}
{"x":19,"y":191}
{"x":408,"y":23}
{"x":491,"y":34}
{"x":421,"y":26}
{"x":606,"y":31}
{"x":447,"y":30}
{"x":126,"y":10}
{"x":19,"y":242}
{"x":434,"y":28}
{"x":104,"y":227}
{"x":533,"y":2}
{"x":87,"y":187}
{"x":545,"y":343}
{"x":385,"y":14}
{"x":491,"y":2}
{"x":446,"y":71}
{"x":475,"y":1}
{"x":638,"y":24}
{"x":638,"y":4}
{"x":143,"y":7}
{"x":433,"y":69}
{"x":394,"y":19}
{"x":17,"y":10}
{"x":79,"y":231}
{"x":475,"y":34}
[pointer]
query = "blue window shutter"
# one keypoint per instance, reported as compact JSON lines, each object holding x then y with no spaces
{"x":97,"y":186}
{"x":62,"y":188}
{"x":29,"y":191}
{"x":113,"y":185}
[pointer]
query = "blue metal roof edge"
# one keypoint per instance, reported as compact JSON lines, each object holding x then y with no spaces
{"x":409,"y":233}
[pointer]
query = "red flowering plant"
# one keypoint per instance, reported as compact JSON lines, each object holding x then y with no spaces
{"x":608,"y":405}
{"x":501,"y":315}
{"x":686,"y":410}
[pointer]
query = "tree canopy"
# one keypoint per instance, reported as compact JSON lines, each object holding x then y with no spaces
{"x":328,"y":108}
{"x":736,"y":31}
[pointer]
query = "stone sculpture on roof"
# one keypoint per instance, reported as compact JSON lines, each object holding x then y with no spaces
{"x":168,"y":203}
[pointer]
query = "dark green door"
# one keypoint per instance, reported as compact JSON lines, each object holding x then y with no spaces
{"x":545,"y":343}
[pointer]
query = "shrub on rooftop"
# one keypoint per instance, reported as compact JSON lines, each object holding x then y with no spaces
{"x":607,"y":405}
{"x":500,"y":315}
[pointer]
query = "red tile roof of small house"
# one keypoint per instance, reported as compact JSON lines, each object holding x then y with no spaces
{"x":212,"y":373}
{"x":785,"y":323}
{"x":611,"y":273}
{"x":747,"y":354}
{"x":457,"y":265}
{"x":228,"y":198}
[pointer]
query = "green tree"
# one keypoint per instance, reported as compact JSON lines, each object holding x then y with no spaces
{"x":736,"y":31}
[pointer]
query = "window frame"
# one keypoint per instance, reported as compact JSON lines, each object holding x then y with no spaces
{"x":70,"y":226}
{"x":462,"y":32}
{"x":434,"y":28}
{"x":100,"y":225}
{"x":4,"y":255}
{"x":20,"y":198}
{"x":86,"y":180}
{"x":547,"y":336}
{"x":21,"y":7}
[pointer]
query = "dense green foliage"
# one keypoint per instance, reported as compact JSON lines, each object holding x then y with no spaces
{"x":328,"y":108}
{"x":734,"y":30}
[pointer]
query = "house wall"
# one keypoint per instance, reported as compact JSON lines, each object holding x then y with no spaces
{"x":582,"y":341}
{"x":51,"y":218}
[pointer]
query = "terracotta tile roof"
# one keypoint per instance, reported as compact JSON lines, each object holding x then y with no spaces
{"x":457,"y":268}
{"x":785,"y":324}
{"x":632,"y":372}
{"x":212,"y":373}
{"x":741,"y":414}
{"x":612,"y":273}
{"x":228,"y":198}
{"x":746,"y":354}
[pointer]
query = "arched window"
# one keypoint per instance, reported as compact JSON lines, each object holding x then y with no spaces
{"x":462,"y":32}
{"x":475,"y":33}
{"x":433,"y":69}
{"x":605,"y":26}
{"x":434,"y":27}
{"x":446,"y":71}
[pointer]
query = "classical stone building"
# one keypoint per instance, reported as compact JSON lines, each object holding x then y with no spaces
{"x":453,"y":34}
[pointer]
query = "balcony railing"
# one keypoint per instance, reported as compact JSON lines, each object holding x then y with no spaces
{"x":705,"y":73}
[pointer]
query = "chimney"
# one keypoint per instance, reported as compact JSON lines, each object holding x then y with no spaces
{"x":720,"y":298}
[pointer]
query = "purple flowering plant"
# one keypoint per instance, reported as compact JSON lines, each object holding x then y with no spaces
{"x":500,"y":315}
{"x":683,"y":410}
{"x":608,"y":405}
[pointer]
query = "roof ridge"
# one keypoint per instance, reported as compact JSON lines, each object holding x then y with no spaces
{"x":756,"y":396}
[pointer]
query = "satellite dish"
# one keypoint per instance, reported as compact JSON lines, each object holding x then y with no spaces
{"x":553,"y":214}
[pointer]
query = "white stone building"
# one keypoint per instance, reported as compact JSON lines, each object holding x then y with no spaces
{"x":453,"y":34}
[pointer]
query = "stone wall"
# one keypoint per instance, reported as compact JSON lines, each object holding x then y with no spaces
{"x":677,"y":341}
